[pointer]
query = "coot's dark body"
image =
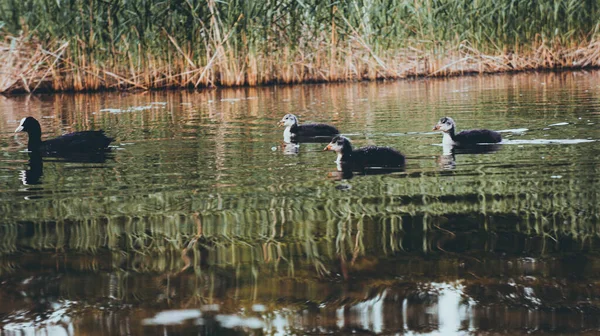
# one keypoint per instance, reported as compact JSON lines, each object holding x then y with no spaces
{"x":373,"y":156}
{"x":313,"y":130}
{"x":366,"y":157}
{"x":476,"y":137}
{"x":77,"y":143}
{"x":465,"y":138}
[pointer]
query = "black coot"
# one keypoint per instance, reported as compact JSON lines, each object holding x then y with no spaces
{"x":465,"y":138}
{"x":76,"y":143}
{"x":366,"y":157}
{"x":295,"y":131}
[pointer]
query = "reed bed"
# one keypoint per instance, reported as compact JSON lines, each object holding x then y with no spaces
{"x":78,"y":45}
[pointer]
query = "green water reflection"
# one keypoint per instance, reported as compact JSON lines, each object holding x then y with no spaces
{"x":200,"y":215}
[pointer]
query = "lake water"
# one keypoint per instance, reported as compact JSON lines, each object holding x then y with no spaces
{"x":202,"y":221}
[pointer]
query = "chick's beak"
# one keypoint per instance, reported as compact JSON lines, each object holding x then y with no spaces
{"x":280,"y":122}
{"x":436,"y":127}
{"x":327,"y":148}
{"x":19,"y":129}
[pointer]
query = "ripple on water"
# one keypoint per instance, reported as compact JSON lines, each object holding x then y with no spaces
{"x":546,"y":141}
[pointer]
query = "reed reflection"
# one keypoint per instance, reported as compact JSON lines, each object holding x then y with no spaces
{"x":411,"y":265}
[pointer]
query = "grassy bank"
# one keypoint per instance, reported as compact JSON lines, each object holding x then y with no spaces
{"x":93,"y":45}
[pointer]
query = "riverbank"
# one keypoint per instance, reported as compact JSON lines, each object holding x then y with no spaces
{"x":194,"y":44}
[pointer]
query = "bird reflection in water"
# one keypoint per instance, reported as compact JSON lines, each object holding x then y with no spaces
{"x":291,"y":144}
{"x":346,"y":172}
{"x":447,"y":160}
{"x":32,"y":175}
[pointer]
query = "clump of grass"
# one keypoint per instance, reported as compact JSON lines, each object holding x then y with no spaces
{"x":26,"y":64}
{"x":81,"y":45}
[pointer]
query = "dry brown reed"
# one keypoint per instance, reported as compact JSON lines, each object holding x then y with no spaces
{"x":26,"y":65}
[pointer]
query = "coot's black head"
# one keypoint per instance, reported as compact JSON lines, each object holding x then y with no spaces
{"x":29,"y":125}
{"x":339,"y":144}
{"x":445,"y":124}
{"x":288,"y":120}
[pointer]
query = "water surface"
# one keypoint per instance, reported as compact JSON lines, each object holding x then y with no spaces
{"x":202,"y":221}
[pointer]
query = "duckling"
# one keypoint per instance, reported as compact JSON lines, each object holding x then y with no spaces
{"x":85,"y":142}
{"x":366,"y":157}
{"x":293,"y":130}
{"x":464,"y":138}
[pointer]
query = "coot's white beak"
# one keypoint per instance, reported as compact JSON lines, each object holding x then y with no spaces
{"x":19,"y":129}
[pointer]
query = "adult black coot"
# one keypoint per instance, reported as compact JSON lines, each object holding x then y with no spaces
{"x":366,"y":157}
{"x":76,"y":143}
{"x":464,"y":138}
{"x":293,"y":130}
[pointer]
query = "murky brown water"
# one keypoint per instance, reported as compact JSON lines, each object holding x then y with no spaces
{"x":201,"y":222}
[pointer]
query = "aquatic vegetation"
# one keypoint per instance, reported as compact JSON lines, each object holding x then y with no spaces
{"x":82,"y":45}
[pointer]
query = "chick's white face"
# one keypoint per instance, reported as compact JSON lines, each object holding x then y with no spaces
{"x":288,"y":120}
{"x":337,"y":144}
{"x":334,"y":146}
{"x":445,"y":124}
